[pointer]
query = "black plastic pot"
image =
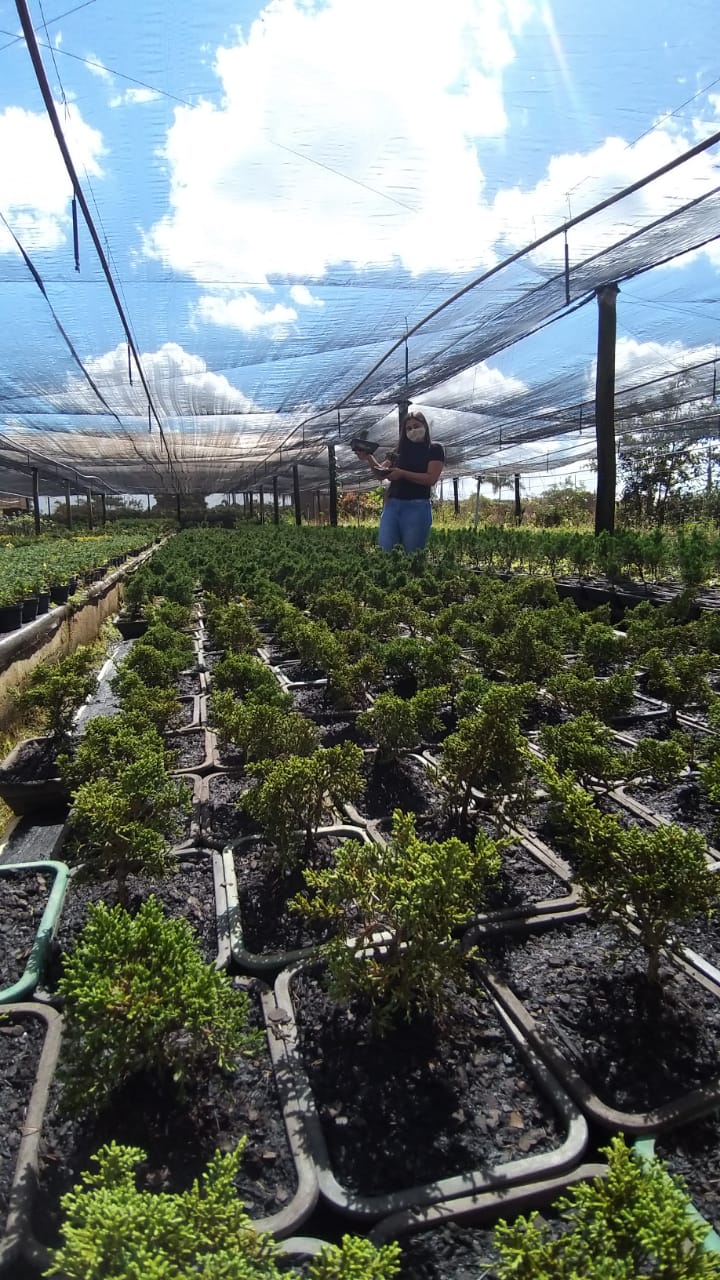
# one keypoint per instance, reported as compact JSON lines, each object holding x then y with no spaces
{"x":10,"y":617}
{"x":29,"y":609}
{"x":59,"y":593}
{"x":43,"y":602}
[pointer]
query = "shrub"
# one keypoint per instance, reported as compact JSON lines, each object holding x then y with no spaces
{"x":583,"y":747}
{"x":55,"y":692}
{"x":399,"y":724}
{"x":601,"y":647}
{"x":662,"y":760}
{"x":289,"y":801}
{"x":578,"y":690}
{"x":155,"y":667}
{"x":231,"y":627}
{"x":355,"y":1258}
{"x":247,"y":676}
{"x":139,"y":998}
{"x":109,"y":745}
{"x":488,"y":752}
{"x":412,"y":894}
{"x":155,"y":704}
{"x":259,"y":731}
{"x":634,"y":1222}
{"x":348,"y":682}
{"x":679,"y":681}
{"x":113,"y":1231}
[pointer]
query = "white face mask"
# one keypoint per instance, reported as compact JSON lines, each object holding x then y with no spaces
{"x":415,"y":434}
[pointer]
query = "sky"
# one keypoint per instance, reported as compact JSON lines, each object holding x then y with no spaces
{"x":281,"y":189}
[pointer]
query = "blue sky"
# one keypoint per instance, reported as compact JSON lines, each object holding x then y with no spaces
{"x":281,"y":181}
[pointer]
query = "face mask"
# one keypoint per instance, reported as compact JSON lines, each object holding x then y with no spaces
{"x":415,"y":434}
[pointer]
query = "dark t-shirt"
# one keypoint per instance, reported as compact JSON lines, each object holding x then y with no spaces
{"x":414,"y":457}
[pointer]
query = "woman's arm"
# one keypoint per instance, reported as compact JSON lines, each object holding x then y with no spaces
{"x":429,"y":477}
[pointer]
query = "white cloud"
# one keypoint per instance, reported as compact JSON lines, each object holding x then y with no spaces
{"x":244,"y":312}
{"x":180,"y":384}
{"x":302,"y":296}
{"x":134,"y":97}
{"x":387,"y":95}
{"x":586,"y":179}
{"x":96,"y":68}
{"x":35,"y":190}
{"x":476,"y":387}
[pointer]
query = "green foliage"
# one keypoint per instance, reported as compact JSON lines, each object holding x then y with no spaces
{"x":231,"y":628}
{"x":291,"y":798}
{"x":489,"y":752}
{"x":348,"y":682}
{"x":643,"y":882}
{"x":155,"y":667}
{"x":471,"y":693}
{"x":583,"y":747}
{"x":139,"y":998}
{"x":173,"y":642}
{"x":113,"y":1231}
{"x":246,"y":676}
{"x":260,"y":731}
{"x":660,"y":759}
{"x":634,"y":1222}
{"x":529,"y":650}
{"x":400,"y":724}
{"x":55,"y":692}
{"x":601,"y":647}
{"x":397,"y":908}
{"x":355,"y":1258}
{"x":578,"y":690}
{"x":155,"y":704}
{"x":680,"y":681}
{"x":126,"y":809}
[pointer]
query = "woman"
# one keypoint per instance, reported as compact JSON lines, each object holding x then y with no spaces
{"x":407,"y":514}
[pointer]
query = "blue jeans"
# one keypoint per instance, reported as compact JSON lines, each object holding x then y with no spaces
{"x":406,"y":523}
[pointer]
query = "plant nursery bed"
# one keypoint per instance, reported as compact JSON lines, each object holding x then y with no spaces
{"x":221,"y":816}
{"x":310,"y":700}
{"x":404,"y":784}
{"x":189,"y":683}
{"x":189,"y":750}
{"x":449,"y":1252}
{"x":702,"y":936}
{"x":264,"y":892}
{"x":637,"y":1048}
{"x":32,"y":761}
{"x":432,"y":1098}
{"x":23,"y":898}
{"x":179,"y":1136}
{"x":189,"y":892}
{"x":682,"y":803}
{"x":185,"y":716}
{"x":334,"y":731}
{"x":693,"y":1151}
{"x":21,"y":1042}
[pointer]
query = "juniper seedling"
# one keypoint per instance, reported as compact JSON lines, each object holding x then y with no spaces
{"x":139,"y":998}
{"x":488,"y":752}
{"x":396,"y":908}
{"x":633,"y":1222}
{"x":290,"y":799}
{"x":259,"y":731}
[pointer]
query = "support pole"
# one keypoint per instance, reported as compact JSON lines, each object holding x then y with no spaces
{"x":403,"y":406}
{"x":456,"y":497}
{"x":177,"y":506}
{"x":276,"y":507}
{"x":36,"y":501}
{"x":261,"y":496}
{"x":332,"y":469}
{"x":605,"y":409}
{"x":91,"y":522}
{"x":518,"y":508}
{"x":68,"y":505}
{"x":296,"y":494}
{"x":147,"y":495}
{"x":317,"y":506}
{"x":103,"y":510}
{"x":252,"y":503}
{"x":477,"y":504}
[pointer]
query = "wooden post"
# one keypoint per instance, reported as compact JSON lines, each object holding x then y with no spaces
{"x":36,"y":500}
{"x":332,"y":469}
{"x":518,"y":508}
{"x":68,"y":505}
{"x":296,"y":494}
{"x":103,"y":510}
{"x":456,"y":497}
{"x":605,"y":409}
{"x":276,"y":508}
{"x":261,"y":495}
{"x":477,"y":503}
{"x":91,"y":522}
{"x":147,"y":495}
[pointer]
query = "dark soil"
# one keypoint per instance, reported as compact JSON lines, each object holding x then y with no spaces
{"x":189,"y":892}
{"x":449,"y":1252}
{"x":34,"y":762}
{"x":636,"y":1047}
{"x":21,"y":1041}
{"x":179,"y":1137}
{"x":702,"y":936}
{"x":403,"y":784}
{"x":222,"y":818}
{"x":424,"y":1102}
{"x":681,"y":802}
{"x":694,"y":1152}
{"x":23,"y":898}
{"x":264,"y":890}
{"x":185,"y":716}
{"x":310,"y":700}
{"x":188,"y":683}
{"x":333,"y":732}
{"x":189,"y":749}
{"x":294,"y":669}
